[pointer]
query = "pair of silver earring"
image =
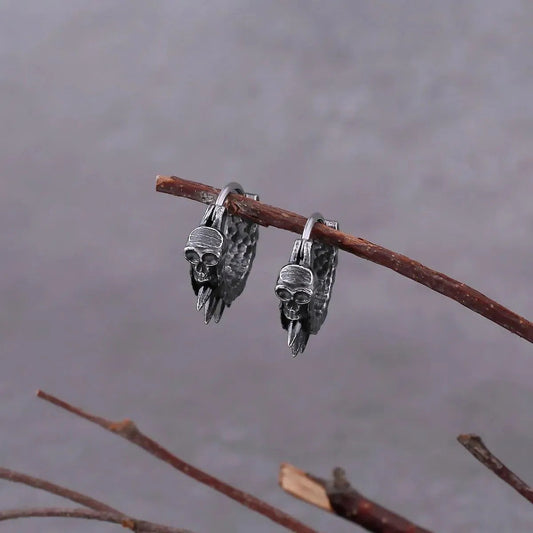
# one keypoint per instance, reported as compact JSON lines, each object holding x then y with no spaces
{"x":221,"y":251}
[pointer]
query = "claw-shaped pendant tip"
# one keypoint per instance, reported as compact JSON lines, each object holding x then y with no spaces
{"x":292,"y":332}
{"x":210,"y":309}
{"x":203,"y":295}
{"x":219,"y":310}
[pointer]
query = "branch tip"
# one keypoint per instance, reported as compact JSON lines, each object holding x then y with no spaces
{"x":475,"y":445}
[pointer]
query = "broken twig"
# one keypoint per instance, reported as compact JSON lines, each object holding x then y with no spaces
{"x":339,"y":497}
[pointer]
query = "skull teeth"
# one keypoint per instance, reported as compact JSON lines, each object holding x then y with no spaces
{"x":292,"y":314}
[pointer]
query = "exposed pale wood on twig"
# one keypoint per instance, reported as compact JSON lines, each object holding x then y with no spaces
{"x":479,"y":450}
{"x":339,"y":497}
{"x":267,"y":215}
{"x":298,"y":484}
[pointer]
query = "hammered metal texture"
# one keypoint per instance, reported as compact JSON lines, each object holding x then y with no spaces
{"x":324,"y":258}
{"x":241,"y":236}
{"x":240,"y":241}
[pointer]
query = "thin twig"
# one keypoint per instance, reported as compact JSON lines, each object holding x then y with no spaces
{"x":100,"y":510}
{"x":267,"y":215}
{"x":88,"y":514}
{"x":129,"y":431}
{"x":82,"y":499}
{"x":339,"y":497}
{"x":479,"y":450}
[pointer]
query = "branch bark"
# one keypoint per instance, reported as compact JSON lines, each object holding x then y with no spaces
{"x":479,"y":450}
{"x":58,"y":490}
{"x":97,"y":510}
{"x":129,"y":431}
{"x":88,"y":514}
{"x":339,"y":497}
{"x":267,"y":215}
{"x":139,"y":526}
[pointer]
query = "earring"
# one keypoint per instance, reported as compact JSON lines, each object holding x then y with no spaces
{"x":221,"y":252}
{"x":304,"y":286}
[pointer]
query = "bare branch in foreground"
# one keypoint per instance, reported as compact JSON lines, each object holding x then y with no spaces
{"x":97,"y":510}
{"x":479,"y":450}
{"x":129,"y":431}
{"x":76,"y":497}
{"x":339,"y":497}
{"x":139,"y":526}
{"x":89,"y":514}
{"x":267,"y":215}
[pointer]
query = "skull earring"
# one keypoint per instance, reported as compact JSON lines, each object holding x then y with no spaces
{"x":304,"y":286}
{"x":221,"y":252}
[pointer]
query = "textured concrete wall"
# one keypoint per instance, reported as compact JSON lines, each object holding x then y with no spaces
{"x":409,"y":122}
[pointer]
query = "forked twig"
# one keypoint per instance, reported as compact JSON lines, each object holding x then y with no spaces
{"x":339,"y":497}
{"x":139,"y":526}
{"x":479,"y":450}
{"x":96,"y":510}
{"x":58,"y":490}
{"x":129,"y":431}
{"x":267,"y":215}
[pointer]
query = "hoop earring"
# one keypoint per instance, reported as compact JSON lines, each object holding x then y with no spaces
{"x":304,"y":285}
{"x":221,"y":252}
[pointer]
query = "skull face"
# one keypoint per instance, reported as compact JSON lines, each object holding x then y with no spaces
{"x":295,"y":289}
{"x":204,"y":250}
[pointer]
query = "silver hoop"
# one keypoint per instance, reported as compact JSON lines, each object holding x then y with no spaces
{"x":227,"y":190}
{"x":311,"y":221}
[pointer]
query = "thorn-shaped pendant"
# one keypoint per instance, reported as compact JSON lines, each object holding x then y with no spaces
{"x":219,"y":309}
{"x":203,"y":295}
{"x":210,"y":309}
{"x":294,"y":328}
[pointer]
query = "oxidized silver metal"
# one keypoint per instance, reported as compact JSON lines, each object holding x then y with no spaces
{"x":221,"y":252}
{"x":304,"y":286}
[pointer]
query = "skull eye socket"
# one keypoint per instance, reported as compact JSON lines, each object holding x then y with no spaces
{"x":192,"y":256}
{"x":210,"y":259}
{"x":302,"y":298}
{"x":283,"y":294}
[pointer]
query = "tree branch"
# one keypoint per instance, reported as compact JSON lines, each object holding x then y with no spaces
{"x":100,"y":511}
{"x":89,"y":514}
{"x":129,"y":431}
{"x":140,"y":526}
{"x":76,"y":497}
{"x":479,"y":450}
{"x":339,"y":497}
{"x":267,"y":215}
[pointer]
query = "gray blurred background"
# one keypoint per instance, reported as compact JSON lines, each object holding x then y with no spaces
{"x":409,"y":122}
